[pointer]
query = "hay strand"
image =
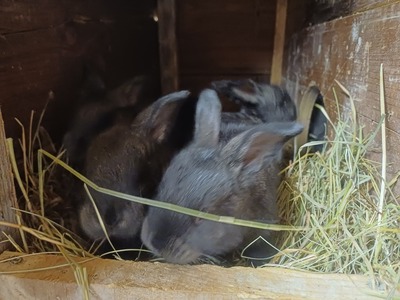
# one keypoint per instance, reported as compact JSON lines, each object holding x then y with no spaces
{"x":384,"y":150}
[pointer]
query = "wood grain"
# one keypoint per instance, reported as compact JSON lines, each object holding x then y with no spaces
{"x":279,"y":41}
{"x":44,"y":45}
{"x":351,"y":50}
{"x":168,"y":46}
{"x":8,"y":198}
{"x":111,"y":279}
{"x":227,"y":37}
{"x":326,"y":10}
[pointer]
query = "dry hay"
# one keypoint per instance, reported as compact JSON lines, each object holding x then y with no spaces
{"x":343,"y":199}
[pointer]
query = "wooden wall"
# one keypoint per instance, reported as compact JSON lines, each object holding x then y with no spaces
{"x":224,"y":39}
{"x":44,"y":44}
{"x":325,"y":10}
{"x":350,"y":49}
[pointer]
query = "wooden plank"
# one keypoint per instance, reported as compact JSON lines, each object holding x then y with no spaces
{"x":44,"y":45}
{"x":298,"y":16}
{"x":225,"y":37}
{"x":168,"y":46}
{"x":111,"y":279}
{"x":8,"y":197}
{"x":326,"y":10}
{"x":279,"y":41}
{"x":351,"y":50}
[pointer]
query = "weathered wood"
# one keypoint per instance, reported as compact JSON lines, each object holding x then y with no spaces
{"x":279,"y":41}
{"x":111,"y":279}
{"x":8,"y":197}
{"x":351,"y":50}
{"x":298,"y":17}
{"x":168,"y":46}
{"x":224,"y":38}
{"x":325,"y":10}
{"x":45,"y":44}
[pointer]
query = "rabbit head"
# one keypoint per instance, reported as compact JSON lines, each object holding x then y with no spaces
{"x":100,"y":111}
{"x":129,"y":158}
{"x":236,"y":178}
{"x":269,"y":103}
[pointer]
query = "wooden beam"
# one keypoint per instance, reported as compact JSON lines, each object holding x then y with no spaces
{"x":279,"y":41}
{"x":112,"y":279}
{"x":168,"y":46}
{"x":8,"y":198}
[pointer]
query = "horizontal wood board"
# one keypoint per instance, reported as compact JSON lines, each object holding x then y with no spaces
{"x":111,"y":279}
{"x":325,"y":10}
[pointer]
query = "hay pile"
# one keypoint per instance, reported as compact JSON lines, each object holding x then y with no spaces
{"x":44,"y":218}
{"x":43,"y":215}
{"x":342,"y":198}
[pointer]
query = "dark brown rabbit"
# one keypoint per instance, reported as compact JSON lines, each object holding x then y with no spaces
{"x":101,"y":109}
{"x":130,"y":158}
{"x":234,"y":176}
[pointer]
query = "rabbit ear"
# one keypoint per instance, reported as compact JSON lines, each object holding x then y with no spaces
{"x":208,"y":119}
{"x":249,"y":148}
{"x":247,"y":91}
{"x":159,"y":118}
{"x":128,"y":93}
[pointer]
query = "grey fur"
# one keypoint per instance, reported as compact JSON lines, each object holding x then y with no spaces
{"x":236,"y":176}
{"x":269,"y":103}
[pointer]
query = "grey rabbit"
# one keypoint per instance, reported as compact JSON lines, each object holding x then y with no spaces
{"x":259,"y":103}
{"x":264,"y":102}
{"x":129,"y":157}
{"x":233,"y":176}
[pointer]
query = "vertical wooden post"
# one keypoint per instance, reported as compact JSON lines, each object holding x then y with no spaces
{"x":279,"y":42}
{"x":168,"y":48}
{"x":8,"y":197}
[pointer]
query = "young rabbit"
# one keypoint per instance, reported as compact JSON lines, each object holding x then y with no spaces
{"x":129,"y":158}
{"x":235,"y":176}
{"x":100,"y":110}
{"x":265,"y":102}
{"x":260,"y":103}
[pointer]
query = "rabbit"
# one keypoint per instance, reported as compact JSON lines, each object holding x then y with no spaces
{"x":260,"y":103}
{"x":236,"y":176}
{"x":101,"y":109}
{"x":264,"y":102}
{"x":129,"y":158}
